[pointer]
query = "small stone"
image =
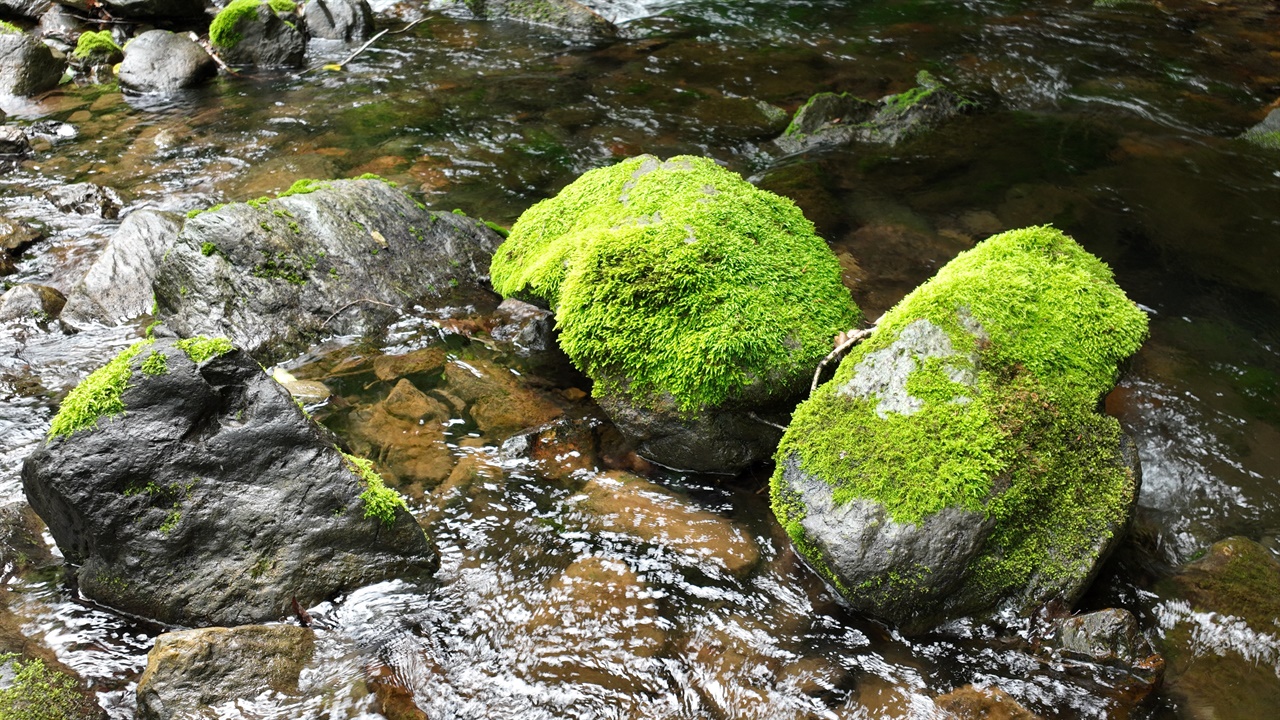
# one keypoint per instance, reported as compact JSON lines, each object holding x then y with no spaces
{"x":13,"y":141}
{"x":28,"y":301}
{"x":86,"y":199}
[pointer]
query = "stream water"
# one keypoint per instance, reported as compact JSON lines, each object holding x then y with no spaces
{"x":1118,"y":122}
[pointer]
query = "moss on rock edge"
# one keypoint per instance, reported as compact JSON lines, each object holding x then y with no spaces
{"x":96,"y":44}
{"x":223,"y":32}
{"x":97,"y":396}
{"x":1022,"y":444}
{"x":678,"y":280}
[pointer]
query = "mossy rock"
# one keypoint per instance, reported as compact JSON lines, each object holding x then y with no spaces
{"x":31,"y":689}
{"x":253,"y":32}
{"x":689,"y":296}
{"x":97,"y":48}
{"x":956,"y":463}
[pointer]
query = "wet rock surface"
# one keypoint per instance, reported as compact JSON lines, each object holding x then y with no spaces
{"x":118,"y":285}
{"x":212,"y":500}
{"x":261,"y":38}
{"x":349,"y":21}
{"x":86,"y":199}
{"x":190,"y":672}
{"x":13,"y":142}
{"x":31,"y":302}
{"x":988,"y":703}
{"x":160,"y":61}
{"x":568,"y":15}
{"x":27,"y":67}
{"x":340,"y":259}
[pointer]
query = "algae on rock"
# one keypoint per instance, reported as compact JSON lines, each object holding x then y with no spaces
{"x":679,"y":288}
{"x":970,"y":416}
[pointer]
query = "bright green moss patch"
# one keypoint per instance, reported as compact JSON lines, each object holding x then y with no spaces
{"x":97,"y":396}
{"x":8,"y":27}
{"x":678,"y":282}
{"x":282,"y":6}
{"x":379,"y":500}
{"x":96,"y":44}
{"x":375,"y":176}
{"x":156,"y":364}
{"x":223,"y":32}
{"x":1269,"y":140}
{"x":1039,"y":326}
{"x":202,"y":348}
{"x":39,"y":692}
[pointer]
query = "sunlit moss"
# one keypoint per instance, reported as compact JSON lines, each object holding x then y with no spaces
{"x":380,"y":501}
{"x":223,"y":32}
{"x":38,"y":692}
{"x":97,"y":396}
{"x":8,"y":27}
{"x":155,"y":364}
{"x":202,"y":348}
{"x":96,"y":44}
{"x":678,"y":280}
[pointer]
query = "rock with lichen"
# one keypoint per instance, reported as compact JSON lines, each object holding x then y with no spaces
{"x":258,"y":33}
{"x":324,"y":257}
{"x":697,"y":303}
{"x":830,"y":119}
{"x":1266,"y":133}
{"x":27,"y":67}
{"x":956,"y":464}
{"x":187,"y":486}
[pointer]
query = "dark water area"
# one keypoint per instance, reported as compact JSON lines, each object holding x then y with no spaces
{"x":1118,"y":122}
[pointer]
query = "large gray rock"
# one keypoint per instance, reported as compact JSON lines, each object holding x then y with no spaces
{"x":833,"y":119}
{"x":28,"y":301}
{"x":343,"y":259}
{"x":118,"y":285}
{"x":257,"y":38}
{"x":24,"y":8}
{"x":157,"y":9}
{"x":27,"y":67}
{"x":159,"y":61}
{"x":59,"y":24}
{"x":562,"y":14}
{"x":189,"y":671}
{"x":208,"y":497}
{"x":346,"y":20}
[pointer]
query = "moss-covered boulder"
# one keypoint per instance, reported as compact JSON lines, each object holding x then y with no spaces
{"x":187,"y":486}
{"x":96,"y":48}
{"x":258,"y":33}
{"x":695,"y":301}
{"x":956,"y":463}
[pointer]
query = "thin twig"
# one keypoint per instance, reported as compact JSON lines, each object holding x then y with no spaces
{"x":363,"y":47}
{"x":757,"y":418}
{"x":209,"y":49}
{"x":850,"y":340}
{"x":354,"y":302}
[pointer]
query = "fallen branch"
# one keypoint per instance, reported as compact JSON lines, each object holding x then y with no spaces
{"x":209,"y":49}
{"x":851,"y":339}
{"x":355,"y":302}
{"x":757,"y":418}
{"x":362,"y":48}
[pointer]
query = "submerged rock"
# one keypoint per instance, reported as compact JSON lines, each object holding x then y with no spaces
{"x":159,"y":61}
{"x":27,"y":66}
{"x":350,"y":21}
{"x":29,"y":301}
{"x":956,"y":463}
{"x":86,"y":199}
{"x":253,"y":33}
{"x":190,"y":671}
{"x":338,"y":257}
{"x":117,"y":287}
{"x":567,"y":15}
{"x":1107,"y":652}
{"x":696,"y":302}
{"x":988,"y":703}
{"x":831,"y":119}
{"x":1266,"y":133}
{"x":189,"y":488}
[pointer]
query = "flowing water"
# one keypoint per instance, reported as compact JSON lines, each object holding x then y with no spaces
{"x":1115,"y":121}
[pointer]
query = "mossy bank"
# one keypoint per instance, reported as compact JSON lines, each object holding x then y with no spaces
{"x":678,"y":287}
{"x":970,"y":414}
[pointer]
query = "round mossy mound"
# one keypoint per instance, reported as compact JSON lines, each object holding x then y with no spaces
{"x":223,"y":32}
{"x":99,"y":46}
{"x":1002,"y":421}
{"x":679,"y":283}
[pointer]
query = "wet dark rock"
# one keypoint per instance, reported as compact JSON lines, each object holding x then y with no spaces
{"x":567,"y":446}
{"x":260,"y":38}
{"x":563,"y":14}
{"x":118,"y":285}
{"x":275,"y":275}
{"x":211,"y":498}
{"x":1266,"y":133}
{"x":159,"y":61}
{"x":86,"y":199}
{"x":497,"y":400}
{"x":833,"y":119}
{"x":60,"y":25}
{"x":1107,"y":652}
{"x":27,"y":66}
{"x":24,"y":8}
{"x":1219,"y":622}
{"x":350,"y":21}
{"x":155,"y":9}
{"x":28,"y":301}
{"x":525,"y":329}
{"x":988,"y":703}
{"x":15,"y":238}
{"x":190,"y":671}
{"x":13,"y":141}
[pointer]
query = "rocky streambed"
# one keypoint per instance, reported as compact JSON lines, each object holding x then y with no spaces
{"x":573,"y":577}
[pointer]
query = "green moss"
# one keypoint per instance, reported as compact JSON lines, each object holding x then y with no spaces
{"x":282,"y":6}
{"x":1024,"y":443}
{"x":39,"y":692}
{"x":375,"y":176}
{"x":194,"y":213}
{"x":171,"y":520}
{"x":156,"y":364}
{"x":380,"y":501}
{"x":96,"y":44}
{"x":280,"y":267}
{"x":1269,"y":140}
{"x":926,"y":85}
{"x":504,"y":232}
{"x":223,"y":32}
{"x":97,"y":396}
{"x":201,"y":348}
{"x":678,"y":282}
{"x":8,"y":27}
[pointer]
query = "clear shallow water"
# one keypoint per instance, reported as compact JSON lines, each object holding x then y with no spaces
{"x":1117,"y":124}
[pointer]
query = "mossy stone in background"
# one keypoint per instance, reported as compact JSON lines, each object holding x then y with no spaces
{"x":685,"y":293}
{"x":956,"y":462}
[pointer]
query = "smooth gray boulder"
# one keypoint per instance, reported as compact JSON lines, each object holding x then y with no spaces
{"x":338,"y":257}
{"x":189,"y":671}
{"x":188,"y":487}
{"x":350,"y":21}
{"x":159,"y":61}
{"x":118,"y":285}
{"x":27,"y":66}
